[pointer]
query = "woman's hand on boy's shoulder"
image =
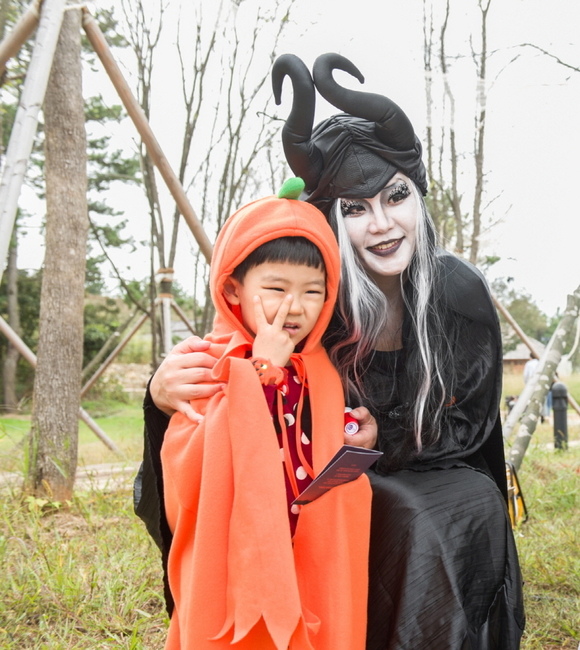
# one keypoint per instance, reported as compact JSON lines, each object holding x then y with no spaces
{"x":366,"y":436}
{"x":184,"y":375}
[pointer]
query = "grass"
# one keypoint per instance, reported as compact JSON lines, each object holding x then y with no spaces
{"x":549,"y":543}
{"x":513,"y":384}
{"x":87,"y":575}
{"x":123,"y":424}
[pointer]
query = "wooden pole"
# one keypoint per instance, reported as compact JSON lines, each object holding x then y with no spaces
{"x":107,"y":346}
{"x":183,"y":316}
{"x":165,"y":301}
{"x":17,"y":342}
{"x":136,"y":113}
{"x":91,"y":382}
{"x":523,"y":400}
{"x":21,"y":32}
{"x":518,"y":330}
{"x":29,"y":355}
{"x":542,"y":378}
{"x":26,"y":120}
{"x":101,"y":435}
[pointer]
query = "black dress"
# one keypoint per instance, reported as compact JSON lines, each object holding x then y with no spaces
{"x":443,"y":570}
{"x":443,"y":567}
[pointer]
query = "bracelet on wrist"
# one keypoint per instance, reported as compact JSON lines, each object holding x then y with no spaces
{"x":269,"y":374}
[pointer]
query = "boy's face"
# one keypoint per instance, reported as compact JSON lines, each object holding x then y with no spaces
{"x":272,"y":282}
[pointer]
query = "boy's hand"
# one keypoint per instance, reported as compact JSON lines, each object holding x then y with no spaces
{"x":272,"y":341}
{"x":366,"y":436}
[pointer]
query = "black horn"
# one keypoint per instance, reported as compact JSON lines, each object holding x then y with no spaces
{"x":393,"y":127}
{"x":303,"y":157}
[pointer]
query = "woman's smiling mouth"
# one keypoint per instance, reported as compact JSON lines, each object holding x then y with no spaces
{"x":386,"y":248}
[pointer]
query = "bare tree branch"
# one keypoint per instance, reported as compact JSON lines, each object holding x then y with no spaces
{"x":220,"y":156}
{"x":122,"y":281}
{"x":552,"y":56}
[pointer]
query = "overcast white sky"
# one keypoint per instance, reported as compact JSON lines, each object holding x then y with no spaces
{"x":533,"y":128}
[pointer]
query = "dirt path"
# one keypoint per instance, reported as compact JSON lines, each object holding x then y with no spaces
{"x":103,"y":477}
{"x":120,"y":476}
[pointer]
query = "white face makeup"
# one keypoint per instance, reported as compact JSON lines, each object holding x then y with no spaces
{"x":383,"y":228}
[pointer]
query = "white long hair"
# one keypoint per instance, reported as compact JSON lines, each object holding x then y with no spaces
{"x":362,"y":311}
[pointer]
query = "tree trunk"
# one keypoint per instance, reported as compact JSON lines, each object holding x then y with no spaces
{"x":12,"y":355}
{"x":541,"y":383}
{"x":54,"y":435}
{"x":4,"y":7}
{"x":480,"y":117}
{"x":11,"y":359}
{"x":454,"y":196}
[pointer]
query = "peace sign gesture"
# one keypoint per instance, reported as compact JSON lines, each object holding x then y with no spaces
{"x":272,"y":340}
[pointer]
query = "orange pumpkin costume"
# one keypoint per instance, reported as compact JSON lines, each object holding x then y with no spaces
{"x":238,"y":578}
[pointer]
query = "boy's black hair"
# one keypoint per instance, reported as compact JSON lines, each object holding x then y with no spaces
{"x":294,"y":250}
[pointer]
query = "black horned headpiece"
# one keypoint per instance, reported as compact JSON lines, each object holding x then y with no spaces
{"x":352,"y":154}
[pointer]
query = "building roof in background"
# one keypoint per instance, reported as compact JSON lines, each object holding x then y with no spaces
{"x":522,"y":352}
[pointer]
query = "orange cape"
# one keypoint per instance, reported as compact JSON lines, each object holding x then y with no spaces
{"x":238,"y":578}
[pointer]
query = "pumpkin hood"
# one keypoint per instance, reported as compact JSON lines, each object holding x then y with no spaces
{"x":262,"y":221}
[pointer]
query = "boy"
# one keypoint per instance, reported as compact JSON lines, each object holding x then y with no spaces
{"x":245,"y":567}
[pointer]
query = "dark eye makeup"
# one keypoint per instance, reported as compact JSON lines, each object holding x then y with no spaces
{"x":349,"y":207}
{"x":399,"y":192}
{"x":354,"y":208}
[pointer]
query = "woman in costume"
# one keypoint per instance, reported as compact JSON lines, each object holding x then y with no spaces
{"x":416,"y":337}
